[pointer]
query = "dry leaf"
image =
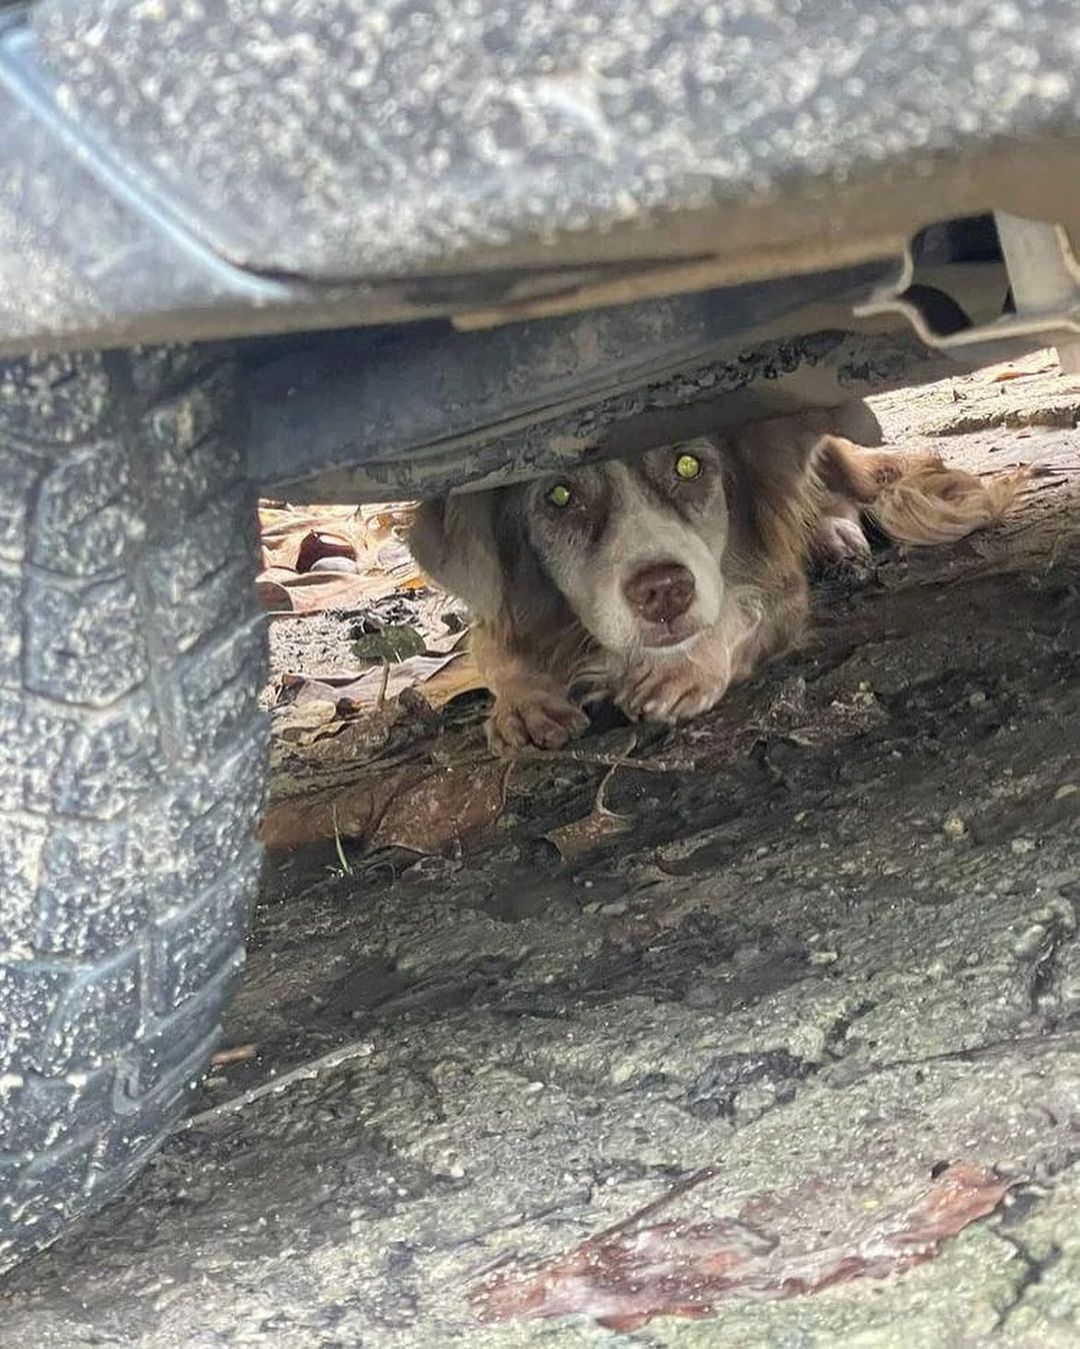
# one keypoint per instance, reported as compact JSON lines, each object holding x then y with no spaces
{"x":441,"y":621}
{"x":410,"y":806}
{"x":457,"y":676}
{"x":304,"y":721}
{"x":446,"y":806}
{"x":376,"y":685}
{"x":1002,"y":376}
{"x":341,"y":747}
{"x":394,"y":559}
{"x":574,"y":839}
{"x":308,"y":592}
{"x":778,"y":1245}
{"x":296,"y":539}
{"x":351,"y":810}
{"x":273,"y":596}
{"x":579,"y":836}
{"x":319,"y":544}
{"x":386,"y":519}
{"x":283,"y":529}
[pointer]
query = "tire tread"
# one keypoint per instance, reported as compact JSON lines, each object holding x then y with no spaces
{"x":131,"y":761}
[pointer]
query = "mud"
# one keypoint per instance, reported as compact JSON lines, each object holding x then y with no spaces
{"x":833,"y":954}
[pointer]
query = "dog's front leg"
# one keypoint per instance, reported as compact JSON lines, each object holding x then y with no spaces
{"x":676,"y":685}
{"x":531,"y":707}
{"x":673,"y":686}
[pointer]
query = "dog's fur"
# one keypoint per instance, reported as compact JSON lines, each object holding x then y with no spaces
{"x":556,"y":593}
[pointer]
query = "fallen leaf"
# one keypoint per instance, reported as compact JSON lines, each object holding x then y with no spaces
{"x":386,"y":519}
{"x":304,"y":721}
{"x":448,"y":805}
{"x":441,"y":621}
{"x":411,"y":805}
{"x":299,"y":543}
{"x":440,"y":679}
{"x":351,"y":810}
{"x":582,"y":835}
{"x":459,"y":675}
{"x":777,"y":1246}
{"x":364,"y":690}
{"x":273,"y":596}
{"x":1003,"y":376}
{"x":339,"y":749}
{"x":396,"y":642}
{"x":283,"y":529}
{"x":316,"y":545}
{"x":394,"y":559}
{"x":308,"y":592}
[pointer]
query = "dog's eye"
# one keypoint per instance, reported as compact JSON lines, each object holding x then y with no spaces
{"x":559,"y":495}
{"x":688,"y":466}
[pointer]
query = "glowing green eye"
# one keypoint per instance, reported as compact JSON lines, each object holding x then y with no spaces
{"x":559,"y":495}
{"x":688,"y":466}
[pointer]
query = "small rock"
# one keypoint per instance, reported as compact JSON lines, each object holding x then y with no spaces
{"x":1030,"y":942}
{"x":954,"y":827}
{"x":1020,"y":846}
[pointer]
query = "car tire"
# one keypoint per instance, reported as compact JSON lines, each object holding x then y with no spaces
{"x":132,"y":761}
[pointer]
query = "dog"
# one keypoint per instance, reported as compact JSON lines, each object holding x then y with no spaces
{"x":660,"y":580}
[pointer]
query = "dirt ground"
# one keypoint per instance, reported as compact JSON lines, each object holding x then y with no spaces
{"x":789,"y":1057}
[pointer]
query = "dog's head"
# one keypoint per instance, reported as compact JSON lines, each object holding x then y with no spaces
{"x":635,"y":546}
{"x":645,"y":552}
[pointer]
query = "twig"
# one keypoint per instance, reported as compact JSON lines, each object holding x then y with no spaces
{"x":607,"y":760}
{"x":690,"y":1182}
{"x":598,"y":800}
{"x":237,"y":1054}
{"x":381,"y":699}
{"x":357,"y":1049}
{"x":599,"y":808}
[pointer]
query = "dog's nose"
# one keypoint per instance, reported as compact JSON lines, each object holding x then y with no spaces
{"x":660,"y":593}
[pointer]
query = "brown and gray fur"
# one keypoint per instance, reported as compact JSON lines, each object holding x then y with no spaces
{"x":565,"y":599}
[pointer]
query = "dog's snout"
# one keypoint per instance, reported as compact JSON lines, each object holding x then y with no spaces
{"x":660,"y":593}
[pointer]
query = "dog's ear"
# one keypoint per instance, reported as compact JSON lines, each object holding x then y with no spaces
{"x":453,"y":540}
{"x":774,"y":489}
{"x":476,"y":545}
{"x":532,"y":603}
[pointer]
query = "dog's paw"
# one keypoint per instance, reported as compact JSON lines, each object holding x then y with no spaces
{"x":533,"y":714}
{"x":840,"y":539}
{"x":671,"y":689}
